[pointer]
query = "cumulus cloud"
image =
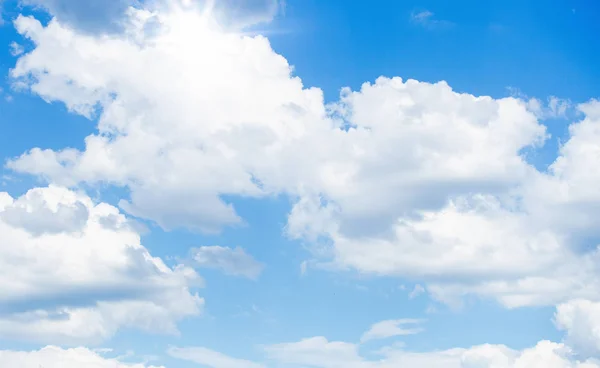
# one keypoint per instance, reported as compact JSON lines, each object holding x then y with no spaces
{"x":67,"y":278}
{"x":39,"y":213}
{"x":580,"y":319}
{"x":544,"y":224}
{"x":221,"y":165}
{"x":55,"y":357}
{"x":391,"y":328}
{"x":231,"y":261}
{"x":210,"y":359}
{"x":399,"y":178}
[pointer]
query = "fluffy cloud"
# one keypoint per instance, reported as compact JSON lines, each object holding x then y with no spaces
{"x":391,"y":328}
{"x":532,"y":242}
{"x":476,"y":245}
{"x":234,"y":262}
{"x":54,"y":357}
{"x":208,"y":135}
{"x":580,"y":319}
{"x":410,"y":140}
{"x":39,"y":213}
{"x":413,"y":144}
{"x":73,"y":271}
{"x":400,"y":178}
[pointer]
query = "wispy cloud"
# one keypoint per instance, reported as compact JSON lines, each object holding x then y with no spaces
{"x":427,"y":19}
{"x":391,"y":328}
{"x":418,"y":290}
{"x":210,"y":358}
{"x":552,"y":108}
{"x":16,"y":49}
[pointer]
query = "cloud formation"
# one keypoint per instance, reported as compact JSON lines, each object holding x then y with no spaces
{"x":399,"y":178}
{"x":318,"y":352}
{"x":39,"y":213}
{"x":577,"y":318}
{"x":580,"y":319}
{"x":69,"y":276}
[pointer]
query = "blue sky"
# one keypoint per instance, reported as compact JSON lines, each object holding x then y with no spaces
{"x":212,"y":141}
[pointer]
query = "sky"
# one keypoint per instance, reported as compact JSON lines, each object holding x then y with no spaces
{"x":302,"y":184}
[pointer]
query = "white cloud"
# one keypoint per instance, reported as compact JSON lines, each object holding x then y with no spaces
{"x":391,"y":328}
{"x":220,"y":164}
{"x":534,"y":244}
{"x":250,"y":151}
{"x":554,"y":108}
{"x":580,"y":319}
{"x":210,"y":359}
{"x":319,"y":353}
{"x":70,"y":275}
{"x":55,"y":357}
{"x":39,"y":213}
{"x":399,"y":178}
{"x":315,"y":352}
{"x":231,"y":261}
